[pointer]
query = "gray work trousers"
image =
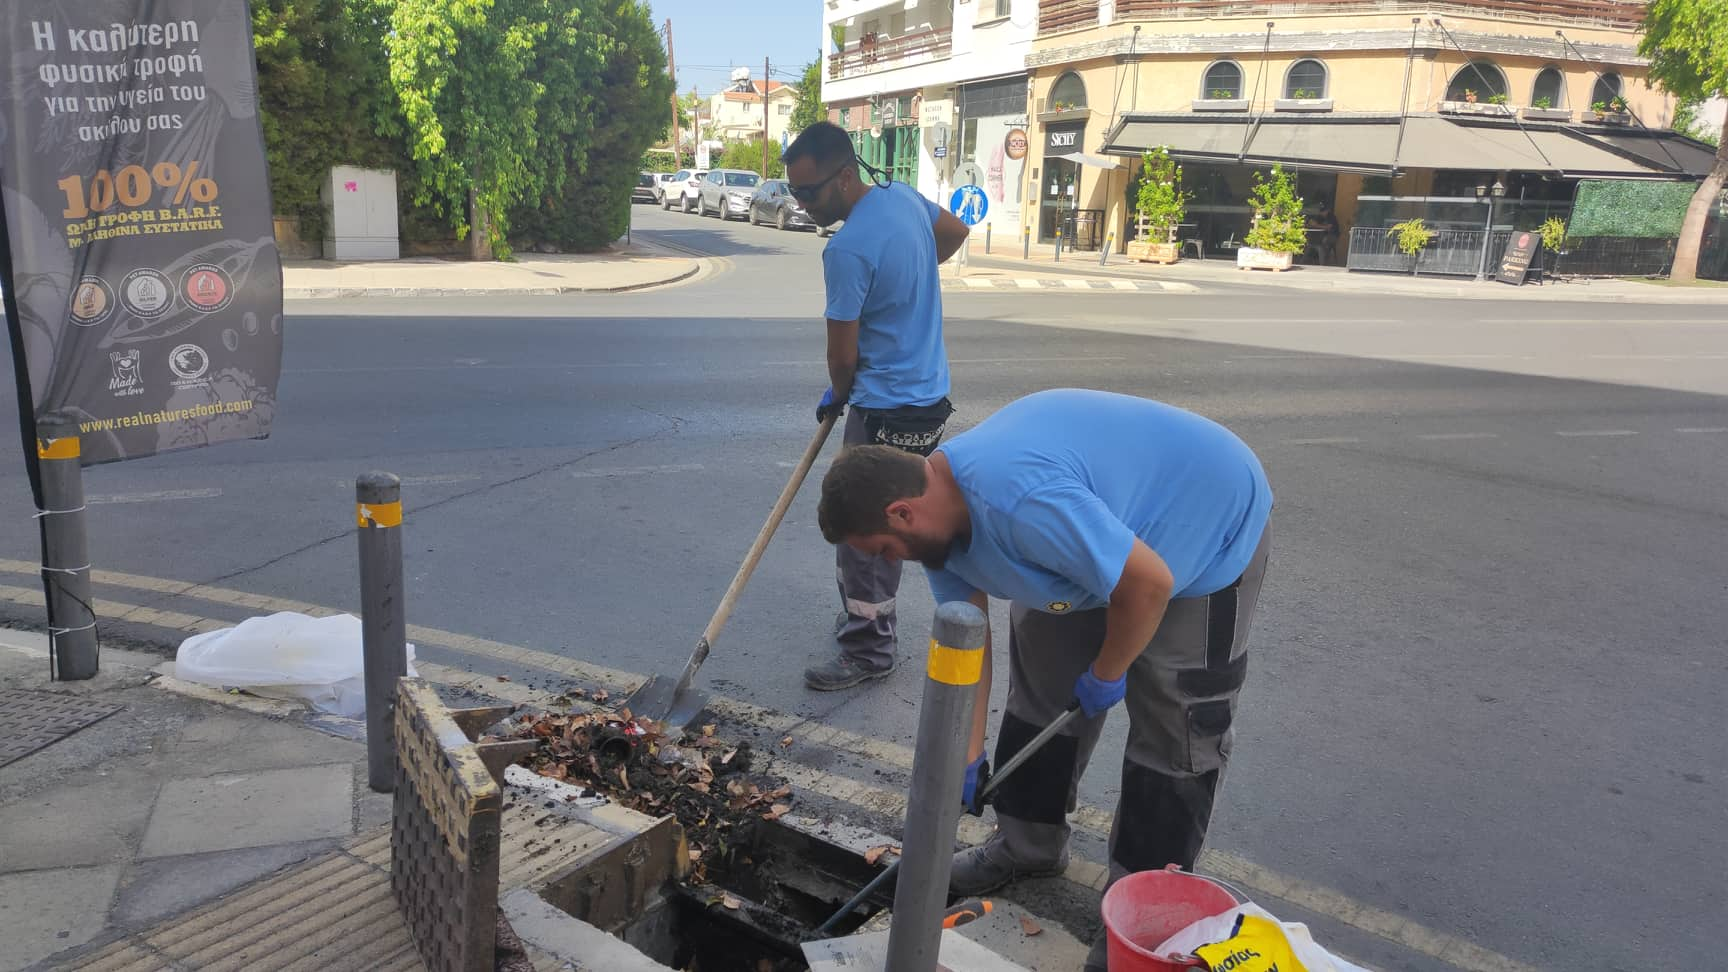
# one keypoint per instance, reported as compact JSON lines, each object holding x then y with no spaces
{"x":1181,"y":702}
{"x":868,"y":584}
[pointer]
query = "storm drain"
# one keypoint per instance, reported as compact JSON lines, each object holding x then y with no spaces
{"x":32,"y":720}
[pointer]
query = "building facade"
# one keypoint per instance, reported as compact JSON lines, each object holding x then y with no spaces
{"x":1371,"y":103}
{"x":735,"y":114}
{"x":933,"y":92}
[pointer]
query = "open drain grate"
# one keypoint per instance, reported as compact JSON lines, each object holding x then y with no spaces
{"x":32,"y":720}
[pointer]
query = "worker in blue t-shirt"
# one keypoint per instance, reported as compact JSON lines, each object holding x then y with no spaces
{"x":1131,"y":538}
{"x":885,"y":356}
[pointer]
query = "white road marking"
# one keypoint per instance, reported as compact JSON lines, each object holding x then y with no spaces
{"x":977,"y":282}
{"x":1691,"y":356}
{"x":1027,"y":284}
{"x":1705,"y":429}
{"x":1449,"y":436}
{"x":157,"y":496}
{"x":1586,"y":433}
{"x":1448,"y":356}
{"x":437,"y":479}
{"x":1123,"y":285}
{"x":615,"y":471}
{"x":1338,"y":440}
{"x":1074,"y":283}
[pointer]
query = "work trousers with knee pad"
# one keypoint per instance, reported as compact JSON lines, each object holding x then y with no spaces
{"x":1181,"y":703}
{"x":868,"y":584}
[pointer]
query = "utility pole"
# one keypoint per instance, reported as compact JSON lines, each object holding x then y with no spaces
{"x":672,"y":69}
{"x":764,"y":118}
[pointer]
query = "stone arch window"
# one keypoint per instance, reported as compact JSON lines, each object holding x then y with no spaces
{"x":1222,"y":81}
{"x":1305,"y":79}
{"x":1549,"y":91}
{"x":1607,"y":88}
{"x":1482,"y":77}
{"x":1068,"y":92}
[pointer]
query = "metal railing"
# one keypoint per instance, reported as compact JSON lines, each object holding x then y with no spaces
{"x":1058,"y":15}
{"x":1616,"y":256}
{"x":1449,"y":253}
{"x":866,"y":57}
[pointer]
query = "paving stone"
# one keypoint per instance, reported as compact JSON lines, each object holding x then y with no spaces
{"x":165,"y":886}
{"x":73,"y":826}
{"x":235,"y":810}
{"x":44,"y":912}
{"x":238,"y":743}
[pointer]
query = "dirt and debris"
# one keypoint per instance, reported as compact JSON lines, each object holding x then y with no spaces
{"x":702,"y":780}
{"x":875,"y":854}
{"x":1028,"y":927}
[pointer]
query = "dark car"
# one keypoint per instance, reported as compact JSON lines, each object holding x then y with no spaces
{"x":773,"y":203}
{"x":645,"y":186}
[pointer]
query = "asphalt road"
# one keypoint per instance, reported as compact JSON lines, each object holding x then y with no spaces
{"x":1487,"y":682}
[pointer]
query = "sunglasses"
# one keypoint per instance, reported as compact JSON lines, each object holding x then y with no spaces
{"x":807,"y":193}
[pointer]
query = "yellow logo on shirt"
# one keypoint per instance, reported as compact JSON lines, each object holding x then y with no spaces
{"x":1057,"y":607}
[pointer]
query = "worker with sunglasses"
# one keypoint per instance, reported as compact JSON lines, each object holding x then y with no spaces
{"x":886,"y":356}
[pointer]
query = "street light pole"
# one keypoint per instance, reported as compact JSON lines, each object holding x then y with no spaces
{"x":1488,"y":196}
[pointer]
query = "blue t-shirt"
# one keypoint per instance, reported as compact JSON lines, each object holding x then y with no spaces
{"x":1061,"y":482}
{"x":881,"y":272}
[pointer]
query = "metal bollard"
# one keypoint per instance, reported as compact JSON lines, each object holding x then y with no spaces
{"x":938,"y":769}
{"x":73,"y":652}
{"x":1109,"y":244}
{"x":986,"y":239}
{"x":1026,"y":243}
{"x":1058,"y":246}
{"x":378,"y":510}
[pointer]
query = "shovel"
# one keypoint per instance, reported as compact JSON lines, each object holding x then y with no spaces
{"x":670,"y":700}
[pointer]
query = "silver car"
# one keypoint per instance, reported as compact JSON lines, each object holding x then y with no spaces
{"x":726,"y":193}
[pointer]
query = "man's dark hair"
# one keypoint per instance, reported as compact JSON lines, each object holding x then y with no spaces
{"x":859,"y":486}
{"x":824,"y":143}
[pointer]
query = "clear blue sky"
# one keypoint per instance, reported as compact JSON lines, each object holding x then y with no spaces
{"x":709,"y":38}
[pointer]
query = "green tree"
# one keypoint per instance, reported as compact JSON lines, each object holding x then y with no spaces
{"x":809,"y":108}
{"x":1277,"y":213}
{"x":748,"y":155}
{"x":1687,"y":44}
{"x":319,"y":91}
{"x":1161,"y":201}
{"x":589,"y":206}
{"x":1687,"y":122}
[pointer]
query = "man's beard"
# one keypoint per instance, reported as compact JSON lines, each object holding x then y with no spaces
{"x":931,"y":553}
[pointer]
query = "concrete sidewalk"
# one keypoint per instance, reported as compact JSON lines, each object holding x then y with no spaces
{"x":1201,"y":274}
{"x":622,"y":268}
{"x":167,"y":803}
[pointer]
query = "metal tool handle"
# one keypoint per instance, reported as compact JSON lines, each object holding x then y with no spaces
{"x":760,"y":544}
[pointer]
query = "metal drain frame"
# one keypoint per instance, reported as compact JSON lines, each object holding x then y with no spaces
{"x":30,"y":721}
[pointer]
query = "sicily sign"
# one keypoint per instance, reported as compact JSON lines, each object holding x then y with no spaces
{"x":145,"y":286}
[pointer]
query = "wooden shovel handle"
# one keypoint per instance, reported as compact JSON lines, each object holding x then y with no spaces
{"x":760,"y":544}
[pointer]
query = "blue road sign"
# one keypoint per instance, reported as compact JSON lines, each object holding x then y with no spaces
{"x":970,"y":204}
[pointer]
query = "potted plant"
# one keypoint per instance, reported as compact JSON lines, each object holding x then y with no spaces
{"x":1553,"y":233}
{"x":1221,"y":94}
{"x":1411,"y":236}
{"x":1277,"y":234}
{"x":1544,"y":103}
{"x":1159,"y":206}
{"x":1497,"y":99}
{"x":1470,"y":95}
{"x":1304,"y":94}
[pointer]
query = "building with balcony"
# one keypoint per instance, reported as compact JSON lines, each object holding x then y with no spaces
{"x":934,"y":92}
{"x":1372,"y":103}
{"x":736,"y":114}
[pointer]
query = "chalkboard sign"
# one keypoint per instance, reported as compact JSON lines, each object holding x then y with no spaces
{"x":1515,"y":262}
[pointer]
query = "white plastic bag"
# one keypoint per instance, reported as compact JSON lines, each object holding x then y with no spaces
{"x":1221,"y":927}
{"x":285,"y":655}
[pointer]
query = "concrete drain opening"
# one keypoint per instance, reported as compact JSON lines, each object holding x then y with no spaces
{"x":748,"y":913}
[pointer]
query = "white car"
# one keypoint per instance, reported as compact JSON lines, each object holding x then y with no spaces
{"x":683,"y":189}
{"x":661,"y":181}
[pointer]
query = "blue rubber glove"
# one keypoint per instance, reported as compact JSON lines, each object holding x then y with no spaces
{"x":827,"y":406}
{"x":972,"y":792}
{"x":1096,"y":695}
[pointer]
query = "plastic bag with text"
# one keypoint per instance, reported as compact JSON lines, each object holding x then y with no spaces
{"x":1248,"y":938}
{"x":285,"y":656}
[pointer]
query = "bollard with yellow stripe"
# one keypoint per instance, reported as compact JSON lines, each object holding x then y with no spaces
{"x":383,"y":619}
{"x":955,"y":666}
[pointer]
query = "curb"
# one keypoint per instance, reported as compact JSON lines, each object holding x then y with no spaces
{"x":333,"y":293}
{"x":1110,"y":284}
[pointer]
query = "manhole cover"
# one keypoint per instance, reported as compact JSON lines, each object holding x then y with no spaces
{"x":31,"y":720}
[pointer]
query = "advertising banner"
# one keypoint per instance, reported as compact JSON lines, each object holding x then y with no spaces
{"x":145,"y":289}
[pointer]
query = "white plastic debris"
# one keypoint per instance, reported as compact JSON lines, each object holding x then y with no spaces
{"x":285,"y":656}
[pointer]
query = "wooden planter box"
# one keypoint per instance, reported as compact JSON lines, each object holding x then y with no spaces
{"x":1249,"y":258}
{"x":1147,"y":251}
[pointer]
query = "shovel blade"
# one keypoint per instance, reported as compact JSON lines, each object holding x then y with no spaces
{"x":659,"y":699}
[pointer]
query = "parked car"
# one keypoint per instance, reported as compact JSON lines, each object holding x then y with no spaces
{"x":661,"y":181}
{"x":726,"y":193}
{"x":644,"y":191}
{"x":773,"y":203}
{"x":681,"y":191}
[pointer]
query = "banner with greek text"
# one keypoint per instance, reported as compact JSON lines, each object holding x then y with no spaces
{"x":145,"y":285}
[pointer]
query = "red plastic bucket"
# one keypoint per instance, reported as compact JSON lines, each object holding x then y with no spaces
{"x":1145,"y":908}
